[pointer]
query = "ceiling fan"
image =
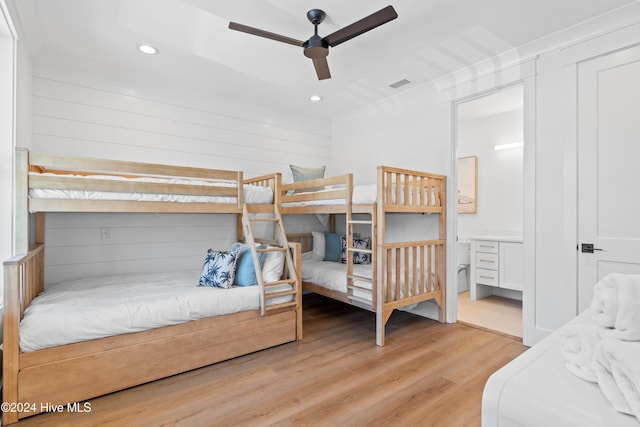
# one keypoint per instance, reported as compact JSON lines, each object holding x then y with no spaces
{"x":317,"y":48}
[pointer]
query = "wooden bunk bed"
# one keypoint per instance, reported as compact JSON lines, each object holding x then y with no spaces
{"x":71,"y":373}
{"x":403,"y":273}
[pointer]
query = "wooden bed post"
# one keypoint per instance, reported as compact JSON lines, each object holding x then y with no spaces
{"x":11,"y":320}
{"x":443,"y":236}
{"x":21,"y":213}
{"x":379,"y":279}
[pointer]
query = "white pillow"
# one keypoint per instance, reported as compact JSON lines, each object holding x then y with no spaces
{"x":318,"y":245}
{"x":272,"y":266}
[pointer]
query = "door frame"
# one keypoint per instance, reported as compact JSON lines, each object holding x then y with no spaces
{"x":523,"y":73}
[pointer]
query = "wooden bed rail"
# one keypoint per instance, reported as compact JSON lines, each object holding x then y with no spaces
{"x":50,"y":162}
{"x":404,"y":190}
{"x":79,"y":173}
{"x":412,"y":269}
{"x":23,"y":281}
{"x":272,"y":181}
{"x":341,"y":188}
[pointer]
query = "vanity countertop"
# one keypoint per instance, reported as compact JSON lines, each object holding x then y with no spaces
{"x":516,"y":239}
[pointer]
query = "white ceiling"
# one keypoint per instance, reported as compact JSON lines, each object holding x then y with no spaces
{"x":430,"y":38}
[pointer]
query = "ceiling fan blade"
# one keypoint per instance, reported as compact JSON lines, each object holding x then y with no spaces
{"x":265,"y":34}
{"x":370,"y":22}
{"x":322,"y":68}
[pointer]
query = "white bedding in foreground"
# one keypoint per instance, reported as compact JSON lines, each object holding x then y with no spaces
{"x":98,"y":307}
{"x":252,"y":194}
{"x":536,"y":389}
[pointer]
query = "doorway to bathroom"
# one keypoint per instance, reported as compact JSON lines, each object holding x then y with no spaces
{"x":489,"y":148}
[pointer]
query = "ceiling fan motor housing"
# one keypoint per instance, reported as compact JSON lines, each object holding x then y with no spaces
{"x":316,"y":47}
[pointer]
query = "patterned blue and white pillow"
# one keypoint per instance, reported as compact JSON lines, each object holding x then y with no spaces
{"x":358,"y":243}
{"x":219,"y":268}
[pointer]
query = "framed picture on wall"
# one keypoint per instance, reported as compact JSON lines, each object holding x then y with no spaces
{"x":468,"y":185}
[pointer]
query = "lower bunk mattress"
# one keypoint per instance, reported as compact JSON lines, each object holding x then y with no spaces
{"x":98,"y":307}
{"x":536,"y":389}
{"x":333,"y":276}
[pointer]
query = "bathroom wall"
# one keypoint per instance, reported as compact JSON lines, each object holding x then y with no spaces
{"x":500,"y":174}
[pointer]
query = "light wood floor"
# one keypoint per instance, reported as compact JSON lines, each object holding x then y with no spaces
{"x":427,"y":374}
{"x":503,"y":315}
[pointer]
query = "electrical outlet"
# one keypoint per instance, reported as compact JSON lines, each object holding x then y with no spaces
{"x":104,"y":233}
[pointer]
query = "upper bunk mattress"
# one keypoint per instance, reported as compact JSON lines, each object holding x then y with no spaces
{"x":252,"y":194}
{"x":364,"y":194}
{"x":98,"y":307}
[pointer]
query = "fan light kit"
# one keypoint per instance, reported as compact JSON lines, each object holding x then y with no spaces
{"x":317,"y":48}
{"x":147,"y":49}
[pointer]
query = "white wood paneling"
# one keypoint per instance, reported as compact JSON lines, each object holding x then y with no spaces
{"x":73,"y":118}
{"x":96,"y":115}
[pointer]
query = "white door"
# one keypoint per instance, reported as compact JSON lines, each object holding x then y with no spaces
{"x":608,"y":168}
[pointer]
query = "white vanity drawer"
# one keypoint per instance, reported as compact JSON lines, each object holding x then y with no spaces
{"x":486,"y":277}
{"x":487,"y":246}
{"x":489,"y":261}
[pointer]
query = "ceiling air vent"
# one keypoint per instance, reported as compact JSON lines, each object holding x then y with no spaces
{"x":399,"y":83}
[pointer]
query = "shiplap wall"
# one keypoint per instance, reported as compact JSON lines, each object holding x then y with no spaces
{"x":97,"y":115}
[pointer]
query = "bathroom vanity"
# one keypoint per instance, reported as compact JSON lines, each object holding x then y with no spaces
{"x":497,"y":266}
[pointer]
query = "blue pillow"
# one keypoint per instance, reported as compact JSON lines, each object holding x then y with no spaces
{"x":332,"y":247}
{"x":246,"y":272}
{"x":219,"y":268}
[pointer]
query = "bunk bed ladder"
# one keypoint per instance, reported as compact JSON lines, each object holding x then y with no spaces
{"x":270,"y":291}
{"x":355,"y":291}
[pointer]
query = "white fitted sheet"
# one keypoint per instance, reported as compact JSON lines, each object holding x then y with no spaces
{"x":253,"y":194}
{"x":98,"y":307}
{"x":535,"y":389}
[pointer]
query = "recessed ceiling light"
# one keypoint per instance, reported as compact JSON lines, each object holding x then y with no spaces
{"x":148,"y":49}
{"x":315,"y":98}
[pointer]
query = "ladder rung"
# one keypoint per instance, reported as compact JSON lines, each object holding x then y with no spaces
{"x":355,"y":276}
{"x":262,"y":219}
{"x":360,"y":222}
{"x":281,"y":305}
{"x":364,"y":251}
{"x":259,"y":208}
{"x":361,"y":300}
{"x":271,"y":249}
{"x":280,"y":294}
{"x":359,"y":288}
{"x":268,"y":242}
{"x":280,"y":282}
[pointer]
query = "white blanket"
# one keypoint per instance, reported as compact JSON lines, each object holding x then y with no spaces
{"x":577,"y":345}
{"x":616,"y":305}
{"x":617,"y":366}
{"x":98,"y":307}
{"x":608,"y":351}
